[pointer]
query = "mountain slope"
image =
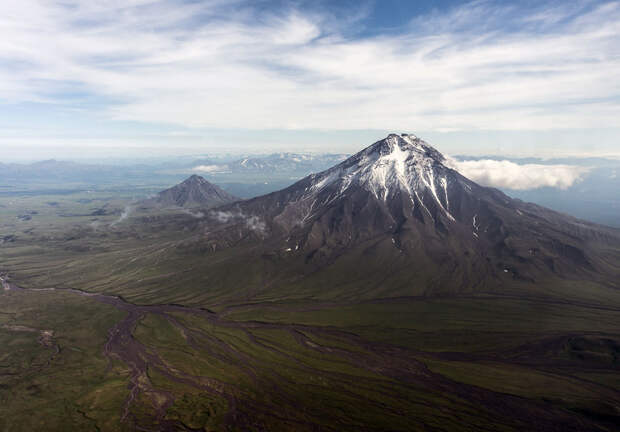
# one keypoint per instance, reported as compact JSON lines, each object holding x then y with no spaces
{"x":397,"y":204}
{"x":195,"y":191}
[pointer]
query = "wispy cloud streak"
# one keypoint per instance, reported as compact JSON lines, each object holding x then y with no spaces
{"x":483,"y":65}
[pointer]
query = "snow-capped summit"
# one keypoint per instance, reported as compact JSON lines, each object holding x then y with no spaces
{"x":398,"y":164}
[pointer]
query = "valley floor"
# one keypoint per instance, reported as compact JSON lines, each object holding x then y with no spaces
{"x":107,"y":364}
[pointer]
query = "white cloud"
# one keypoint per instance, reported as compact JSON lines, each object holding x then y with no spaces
{"x":254,"y":223}
{"x":213,"y":64}
{"x":211,"y":168}
{"x":509,"y":175}
{"x":196,"y":214}
{"x":226,"y":216}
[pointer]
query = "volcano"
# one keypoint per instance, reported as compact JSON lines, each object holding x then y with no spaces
{"x":397,"y":209}
{"x":195,"y":191}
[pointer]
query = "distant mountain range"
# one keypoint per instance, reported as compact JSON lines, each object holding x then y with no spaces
{"x":277,"y":163}
{"x":245,"y":177}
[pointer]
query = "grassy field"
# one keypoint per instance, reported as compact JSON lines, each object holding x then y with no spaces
{"x":65,"y":383}
{"x":289,"y":358}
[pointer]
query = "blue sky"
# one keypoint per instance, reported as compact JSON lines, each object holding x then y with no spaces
{"x":82,"y":79}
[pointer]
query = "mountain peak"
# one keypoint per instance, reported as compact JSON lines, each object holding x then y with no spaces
{"x":406,"y":143}
{"x":396,"y":164}
{"x":195,"y":191}
{"x":194,"y":178}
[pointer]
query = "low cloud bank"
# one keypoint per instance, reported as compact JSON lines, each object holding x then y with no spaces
{"x":509,"y":175}
{"x":252,"y":222}
{"x":196,"y":214}
{"x":211,"y":168}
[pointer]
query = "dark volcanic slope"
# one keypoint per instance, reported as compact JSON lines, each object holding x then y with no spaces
{"x":397,"y":209}
{"x":194,"y":192}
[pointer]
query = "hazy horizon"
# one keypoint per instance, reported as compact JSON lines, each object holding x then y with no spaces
{"x":513,"y":144}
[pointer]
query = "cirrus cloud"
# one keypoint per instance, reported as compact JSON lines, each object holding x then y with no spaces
{"x":233,"y":64}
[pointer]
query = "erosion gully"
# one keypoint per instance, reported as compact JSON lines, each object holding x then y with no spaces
{"x":121,"y":345}
{"x":398,"y":364}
